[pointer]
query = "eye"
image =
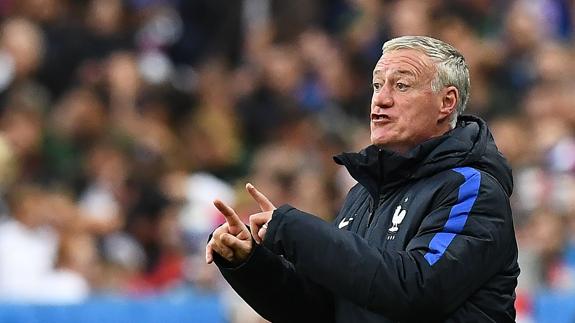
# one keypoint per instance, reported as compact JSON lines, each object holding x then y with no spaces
{"x":401,"y":86}
{"x":376,"y":86}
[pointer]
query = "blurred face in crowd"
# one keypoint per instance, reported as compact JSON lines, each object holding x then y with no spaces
{"x":404,"y":109}
{"x":24,"y":42}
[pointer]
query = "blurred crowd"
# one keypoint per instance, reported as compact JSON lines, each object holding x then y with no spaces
{"x":121,"y":121}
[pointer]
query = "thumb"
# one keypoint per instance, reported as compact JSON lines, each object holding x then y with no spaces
{"x":260,"y":198}
{"x":234,"y":223}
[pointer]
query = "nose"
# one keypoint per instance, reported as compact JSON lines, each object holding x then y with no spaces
{"x":382,"y":98}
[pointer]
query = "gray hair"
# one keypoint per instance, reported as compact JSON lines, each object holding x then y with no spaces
{"x":450,"y":64}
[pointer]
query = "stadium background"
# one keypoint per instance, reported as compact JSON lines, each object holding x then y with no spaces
{"x":120,"y":121}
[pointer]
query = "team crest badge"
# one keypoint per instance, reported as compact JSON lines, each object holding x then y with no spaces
{"x":398,"y":216}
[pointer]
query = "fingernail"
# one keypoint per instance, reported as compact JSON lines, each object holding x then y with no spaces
{"x":249,"y":185}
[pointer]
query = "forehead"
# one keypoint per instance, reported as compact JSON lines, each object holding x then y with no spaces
{"x":404,"y":61}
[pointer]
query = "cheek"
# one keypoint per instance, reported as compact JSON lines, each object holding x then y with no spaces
{"x":418,"y":121}
{"x":416,"y":118}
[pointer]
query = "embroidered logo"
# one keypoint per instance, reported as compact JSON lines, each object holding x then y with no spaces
{"x":398,"y":217}
{"x":344,"y":222}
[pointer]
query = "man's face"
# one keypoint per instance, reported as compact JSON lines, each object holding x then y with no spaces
{"x":404,"y":110}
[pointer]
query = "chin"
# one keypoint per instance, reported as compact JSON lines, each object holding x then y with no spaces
{"x":380,"y":138}
{"x":379,"y":143}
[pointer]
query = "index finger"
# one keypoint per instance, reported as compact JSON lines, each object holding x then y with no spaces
{"x":231,"y":217}
{"x":263,"y":202}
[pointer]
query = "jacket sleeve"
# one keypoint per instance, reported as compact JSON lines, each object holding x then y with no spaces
{"x":273,"y":288}
{"x":464,"y":240}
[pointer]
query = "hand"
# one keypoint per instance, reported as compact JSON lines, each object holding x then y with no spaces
{"x":232,"y":240}
{"x":259,"y":221}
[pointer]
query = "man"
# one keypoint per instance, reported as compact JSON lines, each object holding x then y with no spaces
{"x":426,"y":235}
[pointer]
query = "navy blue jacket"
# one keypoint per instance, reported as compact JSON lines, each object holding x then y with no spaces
{"x":423,"y":237}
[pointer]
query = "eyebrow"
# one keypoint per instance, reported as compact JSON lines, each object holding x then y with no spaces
{"x":401,"y":72}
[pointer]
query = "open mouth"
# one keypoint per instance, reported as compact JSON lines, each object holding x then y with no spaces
{"x":379,"y":117}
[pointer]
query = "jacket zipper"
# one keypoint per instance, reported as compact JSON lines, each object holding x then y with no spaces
{"x":372,"y":208}
{"x":371,"y":211}
{"x":372,"y":205}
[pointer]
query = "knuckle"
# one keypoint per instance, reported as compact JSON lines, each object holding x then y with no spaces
{"x":218,"y":248}
{"x":257,"y":218}
{"x":228,"y":254}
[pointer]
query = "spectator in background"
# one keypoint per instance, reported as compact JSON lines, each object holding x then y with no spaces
{"x":20,"y":139}
{"x":21,"y":52}
{"x":29,"y":251}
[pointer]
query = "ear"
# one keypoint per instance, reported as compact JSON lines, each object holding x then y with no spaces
{"x":449,"y":103}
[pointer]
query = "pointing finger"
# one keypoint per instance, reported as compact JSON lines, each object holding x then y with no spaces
{"x":232,"y":218}
{"x":260,"y":198}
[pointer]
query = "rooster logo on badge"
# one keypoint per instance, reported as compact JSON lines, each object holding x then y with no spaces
{"x":397,"y":218}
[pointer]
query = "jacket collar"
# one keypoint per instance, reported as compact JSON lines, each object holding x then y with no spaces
{"x":469,"y":144}
{"x":379,"y":169}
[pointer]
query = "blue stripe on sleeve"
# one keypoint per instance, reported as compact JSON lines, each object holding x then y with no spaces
{"x":468,"y":192}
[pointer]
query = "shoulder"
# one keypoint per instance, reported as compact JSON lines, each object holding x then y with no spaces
{"x":460,"y":182}
{"x":469,"y":176}
{"x":479,"y":181}
{"x":446,"y":182}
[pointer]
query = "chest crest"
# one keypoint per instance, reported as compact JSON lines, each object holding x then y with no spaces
{"x":398,"y":215}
